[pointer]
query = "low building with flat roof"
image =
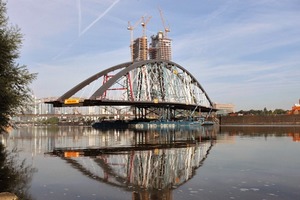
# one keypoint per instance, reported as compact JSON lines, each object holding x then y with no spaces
{"x":224,"y":109}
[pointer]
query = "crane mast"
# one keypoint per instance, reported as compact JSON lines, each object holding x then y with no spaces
{"x":166,"y":29}
{"x":131,"y":28}
{"x":144,"y":24}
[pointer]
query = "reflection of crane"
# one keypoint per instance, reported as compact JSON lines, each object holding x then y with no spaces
{"x":144,"y":24}
{"x":166,"y":29}
{"x":131,"y":28}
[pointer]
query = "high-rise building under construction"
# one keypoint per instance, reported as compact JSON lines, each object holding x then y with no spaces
{"x":160,"y":47}
{"x":140,"y":49}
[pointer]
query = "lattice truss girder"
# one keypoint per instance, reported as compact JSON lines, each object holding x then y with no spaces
{"x":159,"y":82}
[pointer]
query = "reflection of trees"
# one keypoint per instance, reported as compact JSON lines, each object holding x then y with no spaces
{"x":252,"y":130}
{"x":267,"y":131}
{"x":259,"y":130}
{"x":15,"y":176}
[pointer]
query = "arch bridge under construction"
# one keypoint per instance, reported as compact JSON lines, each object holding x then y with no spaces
{"x":156,"y":89}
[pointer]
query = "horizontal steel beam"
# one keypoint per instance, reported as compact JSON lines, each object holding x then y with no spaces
{"x":140,"y":104}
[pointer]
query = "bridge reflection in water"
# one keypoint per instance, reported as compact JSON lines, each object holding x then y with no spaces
{"x":151,"y":165}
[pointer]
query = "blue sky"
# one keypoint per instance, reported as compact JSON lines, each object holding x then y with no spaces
{"x":243,"y":52}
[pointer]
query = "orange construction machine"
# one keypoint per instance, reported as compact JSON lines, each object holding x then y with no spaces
{"x":295,"y":109}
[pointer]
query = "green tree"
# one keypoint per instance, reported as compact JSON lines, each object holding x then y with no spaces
{"x":52,"y":120}
{"x":279,"y":111}
{"x":15,"y":93}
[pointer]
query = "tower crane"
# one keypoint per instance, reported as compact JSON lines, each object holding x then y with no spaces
{"x":166,"y":29}
{"x":144,"y":24}
{"x":131,"y":28}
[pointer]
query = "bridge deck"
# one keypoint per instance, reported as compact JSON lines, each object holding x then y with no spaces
{"x":140,"y":104}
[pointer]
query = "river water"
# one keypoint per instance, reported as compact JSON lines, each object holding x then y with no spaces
{"x":196,"y":163}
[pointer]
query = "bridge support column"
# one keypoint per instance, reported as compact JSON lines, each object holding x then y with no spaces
{"x":140,"y":113}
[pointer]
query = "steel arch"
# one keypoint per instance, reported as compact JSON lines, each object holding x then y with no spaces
{"x":86,"y":82}
{"x":164,"y":70}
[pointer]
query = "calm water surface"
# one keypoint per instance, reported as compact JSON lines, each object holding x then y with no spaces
{"x":201,"y":163}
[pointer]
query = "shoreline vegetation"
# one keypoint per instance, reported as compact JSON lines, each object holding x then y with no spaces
{"x":261,"y":120}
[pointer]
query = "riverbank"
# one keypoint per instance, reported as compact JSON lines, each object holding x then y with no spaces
{"x":260,"y":120}
{"x":8,"y":196}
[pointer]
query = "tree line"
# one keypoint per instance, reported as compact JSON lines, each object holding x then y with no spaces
{"x":265,"y":111}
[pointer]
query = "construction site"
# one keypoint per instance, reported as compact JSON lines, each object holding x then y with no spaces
{"x":160,"y":46}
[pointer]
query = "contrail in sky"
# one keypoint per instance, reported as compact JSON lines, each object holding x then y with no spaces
{"x":98,"y":18}
{"x":80,"y":33}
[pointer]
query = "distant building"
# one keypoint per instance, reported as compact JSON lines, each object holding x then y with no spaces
{"x":160,"y":47}
{"x":224,"y":109}
{"x":40,"y":107}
